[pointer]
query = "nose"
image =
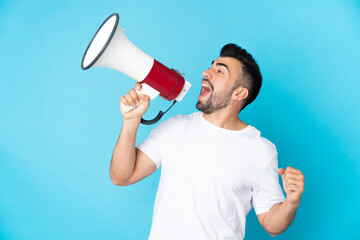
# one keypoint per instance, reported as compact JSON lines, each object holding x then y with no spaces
{"x":207,"y":74}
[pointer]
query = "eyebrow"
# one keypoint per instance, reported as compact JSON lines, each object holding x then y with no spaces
{"x":221,"y":64}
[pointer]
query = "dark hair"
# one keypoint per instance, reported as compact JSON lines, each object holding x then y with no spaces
{"x":251,"y":77}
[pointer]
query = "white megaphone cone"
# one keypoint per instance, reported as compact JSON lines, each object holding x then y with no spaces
{"x":112,"y":49}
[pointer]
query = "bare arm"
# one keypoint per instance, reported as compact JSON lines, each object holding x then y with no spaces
{"x":124,"y":156}
{"x":128,"y":164}
{"x":280,"y":216}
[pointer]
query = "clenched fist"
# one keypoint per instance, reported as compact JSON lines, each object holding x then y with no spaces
{"x":293,"y":183}
{"x":133,"y":99}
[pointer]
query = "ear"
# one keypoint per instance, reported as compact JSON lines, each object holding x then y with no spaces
{"x":240,"y":93}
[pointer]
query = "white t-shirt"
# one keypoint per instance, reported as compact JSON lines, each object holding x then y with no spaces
{"x":210,"y":178}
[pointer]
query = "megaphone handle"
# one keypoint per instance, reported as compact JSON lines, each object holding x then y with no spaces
{"x":146,"y":90}
{"x":127,"y":109}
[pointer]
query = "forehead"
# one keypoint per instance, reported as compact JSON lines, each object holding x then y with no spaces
{"x":233,"y":64}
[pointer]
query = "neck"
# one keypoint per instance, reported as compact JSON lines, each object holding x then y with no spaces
{"x":225,"y":119}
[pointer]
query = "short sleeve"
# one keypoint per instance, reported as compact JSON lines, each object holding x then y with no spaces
{"x":152,"y":145}
{"x":268,"y":192}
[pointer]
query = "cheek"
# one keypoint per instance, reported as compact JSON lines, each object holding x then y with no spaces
{"x":221,"y":86}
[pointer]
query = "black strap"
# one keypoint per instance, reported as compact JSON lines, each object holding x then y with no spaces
{"x":157,"y":118}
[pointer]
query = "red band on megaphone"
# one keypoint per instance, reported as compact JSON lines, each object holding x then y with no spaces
{"x":166,"y":81}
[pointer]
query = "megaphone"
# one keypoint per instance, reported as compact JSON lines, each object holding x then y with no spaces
{"x":112,"y":49}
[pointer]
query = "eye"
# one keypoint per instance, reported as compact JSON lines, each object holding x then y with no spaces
{"x":220,"y":72}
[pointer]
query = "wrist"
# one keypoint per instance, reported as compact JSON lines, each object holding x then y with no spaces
{"x":292,"y":203}
{"x":132,"y":123}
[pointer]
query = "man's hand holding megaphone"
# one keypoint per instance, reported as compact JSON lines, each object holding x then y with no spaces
{"x":141,"y":103}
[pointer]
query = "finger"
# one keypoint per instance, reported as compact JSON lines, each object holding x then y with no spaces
{"x":291,"y":169}
{"x":124,"y":101}
{"x":281,"y":171}
{"x":144,"y":97}
{"x":295,"y":175}
{"x":293,"y":181}
{"x":134,"y":95}
{"x":130,"y":99}
{"x":138,"y":86}
{"x":295,"y":188}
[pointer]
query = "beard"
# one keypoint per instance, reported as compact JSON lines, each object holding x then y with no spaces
{"x":215,"y":102}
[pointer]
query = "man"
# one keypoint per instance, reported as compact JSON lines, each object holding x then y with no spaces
{"x":215,"y":167}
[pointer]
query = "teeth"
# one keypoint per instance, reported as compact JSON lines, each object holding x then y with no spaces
{"x":205,"y":86}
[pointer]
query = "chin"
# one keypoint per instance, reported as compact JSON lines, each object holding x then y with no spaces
{"x":203,"y":108}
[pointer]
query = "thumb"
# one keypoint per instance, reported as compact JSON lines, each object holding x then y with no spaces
{"x":281,"y":171}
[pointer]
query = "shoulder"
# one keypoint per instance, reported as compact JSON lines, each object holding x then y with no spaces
{"x":267,"y":144}
{"x":262,"y":145}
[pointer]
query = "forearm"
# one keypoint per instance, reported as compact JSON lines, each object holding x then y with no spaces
{"x":279,"y":218}
{"x":124,"y":156}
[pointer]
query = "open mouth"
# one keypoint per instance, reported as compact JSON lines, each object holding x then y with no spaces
{"x":205,"y":90}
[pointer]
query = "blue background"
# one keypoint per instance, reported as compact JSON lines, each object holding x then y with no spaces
{"x":59,"y":124}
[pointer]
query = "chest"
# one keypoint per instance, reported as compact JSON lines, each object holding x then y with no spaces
{"x":207,"y":160}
